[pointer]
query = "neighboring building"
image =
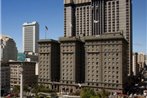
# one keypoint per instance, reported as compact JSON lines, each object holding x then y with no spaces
{"x":106,"y":62}
{"x":29,"y":77}
{"x":145,"y":75}
{"x":141,"y":60}
{"x":95,"y":17}
{"x":49,"y":62}
{"x":72,"y":63}
{"x":135,"y":64}
{"x":31,"y":56}
{"x":146,"y":60}
{"x":30,"y":37}
{"x":95,"y":62}
{"x":96,"y":50}
{"x":8,"y":49}
{"x":5,"y":78}
{"x":21,"y":57}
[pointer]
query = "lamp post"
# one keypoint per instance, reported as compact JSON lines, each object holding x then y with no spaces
{"x":21,"y":80}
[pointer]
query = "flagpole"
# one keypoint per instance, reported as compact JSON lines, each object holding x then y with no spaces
{"x":46,"y":29}
{"x":45,"y":33}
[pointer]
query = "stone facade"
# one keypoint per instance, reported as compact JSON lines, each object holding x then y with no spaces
{"x":72,"y":63}
{"x":93,"y":61}
{"x":49,"y":62}
{"x":29,"y":77}
{"x":96,"y":17}
{"x":8,"y":49}
{"x":106,"y":62}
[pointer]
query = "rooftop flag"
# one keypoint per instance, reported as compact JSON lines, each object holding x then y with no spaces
{"x":46,"y":28}
{"x":70,"y":25}
{"x":96,"y":21}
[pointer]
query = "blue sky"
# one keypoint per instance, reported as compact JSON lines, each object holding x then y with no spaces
{"x":50,"y":13}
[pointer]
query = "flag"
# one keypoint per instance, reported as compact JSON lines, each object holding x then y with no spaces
{"x":46,"y":28}
{"x":70,"y":25}
{"x":95,"y":21}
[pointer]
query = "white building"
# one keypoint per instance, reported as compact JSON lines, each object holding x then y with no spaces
{"x":141,"y":60}
{"x":135,"y":64}
{"x":30,"y":37}
{"x":8,"y":49}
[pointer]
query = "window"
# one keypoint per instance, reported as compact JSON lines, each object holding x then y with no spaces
{"x":117,"y":81}
{"x":117,"y":77}
{"x":117,"y":2}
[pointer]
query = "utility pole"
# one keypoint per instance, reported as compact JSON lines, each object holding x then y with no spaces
{"x":21,"y":80}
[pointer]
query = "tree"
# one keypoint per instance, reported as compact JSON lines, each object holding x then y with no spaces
{"x":94,"y":97}
{"x":26,"y":88}
{"x":16,"y":89}
{"x":75,"y":93}
{"x":103,"y":94}
{"x":40,"y":88}
{"x":87,"y":93}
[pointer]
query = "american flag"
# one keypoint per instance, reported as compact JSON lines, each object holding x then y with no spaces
{"x":46,"y":28}
{"x":96,"y":21}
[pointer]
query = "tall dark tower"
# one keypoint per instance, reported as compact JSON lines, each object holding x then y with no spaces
{"x":95,"y":17}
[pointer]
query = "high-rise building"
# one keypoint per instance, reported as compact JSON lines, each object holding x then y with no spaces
{"x":135,"y":64}
{"x":71,"y":63}
{"x":141,"y":60}
{"x":96,"y":47}
{"x":8,"y":49}
{"x":94,"y":61}
{"x":30,"y":37}
{"x":106,"y":62}
{"x":95,"y":17}
{"x":49,"y":62}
